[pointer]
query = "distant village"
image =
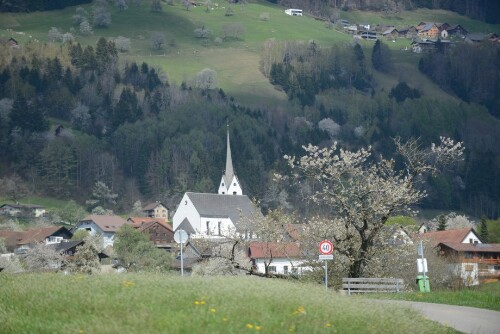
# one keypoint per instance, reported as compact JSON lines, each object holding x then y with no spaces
{"x":226,"y":214}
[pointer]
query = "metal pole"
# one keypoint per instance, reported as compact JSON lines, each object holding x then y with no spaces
{"x":423,"y":263}
{"x":326,"y":274}
{"x":182,"y":262}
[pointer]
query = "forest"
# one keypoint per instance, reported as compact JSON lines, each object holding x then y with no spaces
{"x":72,"y":115}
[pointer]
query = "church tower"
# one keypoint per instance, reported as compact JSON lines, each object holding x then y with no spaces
{"x":229,"y":184}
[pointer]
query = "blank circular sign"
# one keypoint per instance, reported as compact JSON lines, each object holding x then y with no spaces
{"x":181,"y":236}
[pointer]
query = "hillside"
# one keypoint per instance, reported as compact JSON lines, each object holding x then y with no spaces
{"x":276,"y":78}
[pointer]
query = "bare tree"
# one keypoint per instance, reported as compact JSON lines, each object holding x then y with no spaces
{"x":363,"y":193}
{"x":156,"y":6}
{"x":122,"y":44}
{"x":101,"y":14}
{"x":55,"y":35}
{"x":14,"y":187}
{"x":86,"y":28}
{"x":80,"y":15}
{"x":86,"y":259}
{"x":157,"y":40}
{"x":233,"y":31}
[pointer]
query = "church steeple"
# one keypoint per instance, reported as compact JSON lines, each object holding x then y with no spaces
{"x":229,"y":184}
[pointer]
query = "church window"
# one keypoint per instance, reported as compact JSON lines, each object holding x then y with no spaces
{"x":234,"y":184}
{"x":223,"y":184}
{"x":218,"y":228}
{"x":208,"y":228}
{"x":234,"y":192}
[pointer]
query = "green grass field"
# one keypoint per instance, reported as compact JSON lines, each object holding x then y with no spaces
{"x":483,"y":296}
{"x":55,"y":303}
{"x":237,"y":61}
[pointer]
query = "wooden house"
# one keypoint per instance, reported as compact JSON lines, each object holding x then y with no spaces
{"x":156,"y":210}
{"x":20,"y":241}
{"x":429,"y":31}
{"x":160,"y":232}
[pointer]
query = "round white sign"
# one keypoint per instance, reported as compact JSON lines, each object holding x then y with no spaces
{"x":180,"y":236}
{"x":325,"y":247}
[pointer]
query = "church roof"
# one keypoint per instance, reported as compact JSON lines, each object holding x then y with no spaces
{"x":229,"y":163}
{"x":224,"y":206}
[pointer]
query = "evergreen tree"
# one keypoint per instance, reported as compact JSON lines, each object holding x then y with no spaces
{"x":381,"y":57}
{"x":441,"y":223}
{"x":27,"y":117}
{"x":483,"y":234}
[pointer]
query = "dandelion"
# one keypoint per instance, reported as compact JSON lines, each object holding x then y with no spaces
{"x":127,"y":284}
{"x":224,"y":319}
{"x":199,"y":302}
{"x":299,"y":311}
{"x":328,"y":324}
{"x":213,"y":310}
{"x":249,"y":326}
{"x":258,"y":328}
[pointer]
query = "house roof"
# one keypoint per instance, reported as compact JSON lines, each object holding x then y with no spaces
{"x":16,"y":238}
{"x":22,"y":206}
{"x":153,"y":206}
{"x":224,"y":206}
{"x":447,"y":236}
{"x":64,"y":246}
{"x":138,"y":222}
{"x":148,"y":225}
{"x":264,"y":250}
{"x":390,"y":31}
{"x":186,"y":226}
{"x":481,"y":248}
{"x":105,"y":223}
{"x":476,"y":36}
{"x":428,"y":26}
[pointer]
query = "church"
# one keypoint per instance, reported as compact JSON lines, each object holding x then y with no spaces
{"x":215,"y":216}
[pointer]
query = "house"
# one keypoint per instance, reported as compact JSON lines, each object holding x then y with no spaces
{"x":216,"y":216}
{"x":422,"y":46}
{"x":423,"y":229}
{"x":159,"y":231}
{"x":25,"y":210}
{"x":442,"y":26}
{"x":391,"y":33}
{"x":475,"y":261}
{"x":408,"y":32}
{"x":429,"y":31}
{"x":293,"y":12}
{"x":104,"y":225}
{"x":20,"y":241}
{"x":12,"y":43}
{"x":283,"y":258}
{"x":156,"y":210}
{"x":368,"y":35}
{"x":475,"y":38}
{"x":457,"y":30}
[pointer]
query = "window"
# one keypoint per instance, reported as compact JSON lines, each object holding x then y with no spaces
{"x":271,"y":269}
{"x":218,"y":228}
{"x":208,"y":228}
{"x":234,"y":184}
{"x":234,"y":192}
{"x":222,"y":184}
{"x":285,"y":270}
{"x":471,"y":241}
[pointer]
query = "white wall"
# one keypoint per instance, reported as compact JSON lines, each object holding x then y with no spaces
{"x":471,"y":238}
{"x":280,"y":264}
{"x":187,"y":210}
{"x":108,"y":238}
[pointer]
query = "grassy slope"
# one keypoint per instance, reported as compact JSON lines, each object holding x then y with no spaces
{"x":484,"y":296}
{"x":236,"y":62}
{"x":50,"y":303}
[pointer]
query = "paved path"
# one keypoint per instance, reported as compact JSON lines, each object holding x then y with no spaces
{"x":462,"y":318}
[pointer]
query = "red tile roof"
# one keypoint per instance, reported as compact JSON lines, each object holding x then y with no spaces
{"x":447,"y":236}
{"x":138,"y":222}
{"x":17,"y":238}
{"x":262,"y":250}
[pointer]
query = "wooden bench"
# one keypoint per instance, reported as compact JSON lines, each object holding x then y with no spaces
{"x":363,"y":285}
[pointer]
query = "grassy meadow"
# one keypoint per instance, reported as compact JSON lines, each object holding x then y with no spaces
{"x":140,"y":303}
{"x":235,"y":61}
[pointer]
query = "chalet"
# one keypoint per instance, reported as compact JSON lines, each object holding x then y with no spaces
{"x":422,"y":46}
{"x":408,"y":32}
{"x":20,"y":241}
{"x":25,"y":210}
{"x":442,"y":26}
{"x":283,"y":258}
{"x":159,"y":231}
{"x":12,"y":43}
{"x":156,"y":210}
{"x":457,"y":30}
{"x":216,"y":216}
{"x":368,"y":35}
{"x":475,"y":261}
{"x":391,"y":33}
{"x":475,"y":38}
{"x":104,"y":225}
{"x":429,"y":31}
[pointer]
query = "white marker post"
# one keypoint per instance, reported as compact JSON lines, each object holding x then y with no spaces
{"x":325,"y":248}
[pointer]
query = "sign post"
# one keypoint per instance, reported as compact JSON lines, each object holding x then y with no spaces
{"x":423,"y":262}
{"x":325,"y":248}
{"x":181,"y":237}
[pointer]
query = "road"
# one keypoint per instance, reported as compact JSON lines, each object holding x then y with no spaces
{"x":462,"y":318}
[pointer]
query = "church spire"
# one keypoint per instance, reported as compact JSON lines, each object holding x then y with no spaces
{"x":229,"y":184}
{"x":229,"y":161}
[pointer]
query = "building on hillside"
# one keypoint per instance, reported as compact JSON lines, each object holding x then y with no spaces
{"x":283,"y":258}
{"x":22,"y":210}
{"x":475,"y":262}
{"x":159,"y":231}
{"x":457,"y":31}
{"x":104,"y":225}
{"x":156,"y":210}
{"x":429,"y":31}
{"x":20,"y":241}
{"x":220,"y":215}
{"x":293,"y":12}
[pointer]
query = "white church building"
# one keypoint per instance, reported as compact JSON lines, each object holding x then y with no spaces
{"x":215,"y":216}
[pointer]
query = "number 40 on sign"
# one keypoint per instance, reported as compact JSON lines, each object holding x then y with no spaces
{"x":325,"y":248}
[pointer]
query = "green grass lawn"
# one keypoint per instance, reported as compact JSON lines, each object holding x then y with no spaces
{"x":483,"y":296}
{"x":55,"y":303}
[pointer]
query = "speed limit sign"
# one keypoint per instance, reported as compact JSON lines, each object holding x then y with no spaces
{"x":325,"y":247}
